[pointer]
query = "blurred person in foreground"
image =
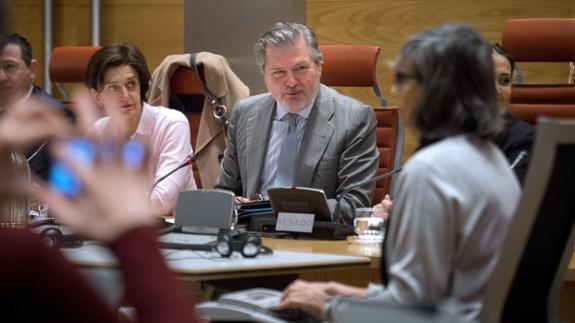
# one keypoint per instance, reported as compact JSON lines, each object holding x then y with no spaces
{"x":456,"y":194}
{"x":119,"y":79}
{"x":517,"y":136}
{"x":37,"y":276}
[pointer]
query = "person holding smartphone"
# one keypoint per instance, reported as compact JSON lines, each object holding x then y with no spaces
{"x":118,"y":79}
{"x":36,"y":276}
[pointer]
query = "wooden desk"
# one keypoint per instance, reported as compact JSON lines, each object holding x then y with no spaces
{"x":566,"y":301}
{"x":320,"y":265}
{"x":357,"y":277}
{"x":305,"y":259}
{"x":200,"y":266}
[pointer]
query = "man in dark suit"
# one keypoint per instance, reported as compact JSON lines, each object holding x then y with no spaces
{"x":517,"y":138}
{"x":17,"y":74}
{"x":301,"y":133}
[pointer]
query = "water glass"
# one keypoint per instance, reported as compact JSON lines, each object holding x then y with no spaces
{"x":367,"y":226}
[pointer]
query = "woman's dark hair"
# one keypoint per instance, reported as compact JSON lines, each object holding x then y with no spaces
{"x":455,"y":68}
{"x":501,"y":51}
{"x":115,"y":55}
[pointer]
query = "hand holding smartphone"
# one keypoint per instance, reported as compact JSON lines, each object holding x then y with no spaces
{"x":64,"y":181}
{"x":62,"y":178}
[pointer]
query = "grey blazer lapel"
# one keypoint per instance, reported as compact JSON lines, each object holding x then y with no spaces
{"x":258,"y":131}
{"x":317,"y":134}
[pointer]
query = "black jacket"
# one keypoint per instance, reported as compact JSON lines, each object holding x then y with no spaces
{"x":517,"y":136}
{"x":39,"y":157}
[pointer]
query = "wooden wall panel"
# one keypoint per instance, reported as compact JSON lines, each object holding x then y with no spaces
{"x":26,"y":17}
{"x":387,"y":23}
{"x":156,"y":26}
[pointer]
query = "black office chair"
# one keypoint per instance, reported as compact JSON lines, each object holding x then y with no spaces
{"x":526,"y":284}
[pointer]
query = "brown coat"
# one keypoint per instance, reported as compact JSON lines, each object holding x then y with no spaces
{"x":224,"y":84}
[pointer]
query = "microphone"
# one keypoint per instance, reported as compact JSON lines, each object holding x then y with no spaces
{"x":190,"y":159}
{"x":521,"y":157}
{"x":365,"y":182}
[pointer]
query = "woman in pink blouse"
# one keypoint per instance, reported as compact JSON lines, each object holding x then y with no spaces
{"x":118,"y":79}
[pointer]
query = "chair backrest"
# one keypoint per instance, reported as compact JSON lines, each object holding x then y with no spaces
{"x":68,"y":64}
{"x":356,"y":66}
{"x":351,"y":65}
{"x":526,"y":283}
{"x":187,"y":96}
{"x":387,"y":132}
{"x":541,"y":40}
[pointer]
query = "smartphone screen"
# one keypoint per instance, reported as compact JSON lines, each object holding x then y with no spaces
{"x":62,"y":178}
{"x":133,"y":154}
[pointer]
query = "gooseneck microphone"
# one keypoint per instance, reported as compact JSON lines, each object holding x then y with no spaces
{"x":365,"y":182}
{"x":190,"y":159}
{"x":520,"y":158}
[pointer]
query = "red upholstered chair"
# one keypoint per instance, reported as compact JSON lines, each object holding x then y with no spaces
{"x":186,"y":89}
{"x":355,"y":66}
{"x":389,"y":143}
{"x":351,"y":65}
{"x":541,"y":40}
{"x":68,"y":64}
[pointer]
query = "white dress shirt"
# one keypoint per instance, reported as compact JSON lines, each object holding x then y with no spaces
{"x":278,"y":131}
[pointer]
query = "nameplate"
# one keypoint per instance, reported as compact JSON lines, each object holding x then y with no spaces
{"x":295,"y":222}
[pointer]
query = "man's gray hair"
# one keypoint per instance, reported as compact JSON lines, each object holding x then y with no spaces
{"x":286,"y":34}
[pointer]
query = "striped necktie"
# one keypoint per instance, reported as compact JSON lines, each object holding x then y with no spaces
{"x":288,"y":154}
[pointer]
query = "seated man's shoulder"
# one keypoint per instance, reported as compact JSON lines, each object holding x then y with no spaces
{"x":251,"y":101}
{"x":246,"y":107}
{"x":39,"y":93}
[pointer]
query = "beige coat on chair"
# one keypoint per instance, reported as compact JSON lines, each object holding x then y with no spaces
{"x":224,"y":84}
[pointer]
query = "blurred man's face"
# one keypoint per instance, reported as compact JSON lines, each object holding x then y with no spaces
{"x":292,"y":76}
{"x":16,"y":77}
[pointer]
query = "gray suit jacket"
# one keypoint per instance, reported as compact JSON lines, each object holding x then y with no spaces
{"x":338,"y":149}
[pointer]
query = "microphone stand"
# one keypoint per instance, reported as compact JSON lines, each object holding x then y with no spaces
{"x":522,"y":155}
{"x":365,"y":182}
{"x":190,"y":159}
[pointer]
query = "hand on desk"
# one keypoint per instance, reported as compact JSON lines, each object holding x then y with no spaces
{"x":310,"y":297}
{"x":252,"y":198}
{"x":241,"y":199}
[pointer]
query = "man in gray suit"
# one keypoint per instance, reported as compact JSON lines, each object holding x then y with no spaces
{"x":301,"y":133}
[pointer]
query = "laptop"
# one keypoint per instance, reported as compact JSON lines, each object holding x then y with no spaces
{"x":200,"y":215}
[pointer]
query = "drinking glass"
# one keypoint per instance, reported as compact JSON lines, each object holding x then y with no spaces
{"x":367,"y":226}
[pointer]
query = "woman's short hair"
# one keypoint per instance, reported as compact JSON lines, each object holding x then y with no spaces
{"x":115,"y":55}
{"x":455,"y":68}
{"x":286,"y":34}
